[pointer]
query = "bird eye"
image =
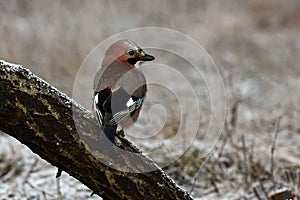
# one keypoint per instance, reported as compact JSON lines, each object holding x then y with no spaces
{"x":131,"y":52}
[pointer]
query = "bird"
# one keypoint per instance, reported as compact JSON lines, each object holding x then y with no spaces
{"x":119,"y":89}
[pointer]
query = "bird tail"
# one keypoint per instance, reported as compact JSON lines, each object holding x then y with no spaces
{"x":107,"y":137}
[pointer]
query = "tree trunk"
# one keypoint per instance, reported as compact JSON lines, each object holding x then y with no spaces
{"x":66,"y":135}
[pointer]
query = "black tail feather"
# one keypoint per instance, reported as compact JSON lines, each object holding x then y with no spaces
{"x":107,"y":137}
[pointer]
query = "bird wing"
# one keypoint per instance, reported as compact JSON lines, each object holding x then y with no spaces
{"x":99,"y":98}
{"x":113,"y":107}
{"x":132,"y":106}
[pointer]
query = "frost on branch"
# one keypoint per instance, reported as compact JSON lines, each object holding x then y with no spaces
{"x":66,"y":135}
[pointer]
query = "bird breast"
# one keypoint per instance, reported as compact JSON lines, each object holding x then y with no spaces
{"x":117,"y":75}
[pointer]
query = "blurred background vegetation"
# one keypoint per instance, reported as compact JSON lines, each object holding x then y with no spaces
{"x":255,"y":43}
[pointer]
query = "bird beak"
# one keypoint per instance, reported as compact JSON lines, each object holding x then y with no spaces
{"x":145,"y":57}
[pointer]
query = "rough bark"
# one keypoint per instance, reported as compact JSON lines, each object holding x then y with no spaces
{"x":66,"y":135}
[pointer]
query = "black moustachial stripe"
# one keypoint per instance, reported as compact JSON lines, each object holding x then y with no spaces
{"x":133,"y":61}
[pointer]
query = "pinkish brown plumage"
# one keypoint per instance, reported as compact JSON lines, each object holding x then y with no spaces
{"x":120,"y":87}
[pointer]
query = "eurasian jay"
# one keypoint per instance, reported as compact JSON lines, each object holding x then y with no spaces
{"x":119,"y":87}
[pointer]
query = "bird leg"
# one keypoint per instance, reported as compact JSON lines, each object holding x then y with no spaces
{"x":121,"y":133}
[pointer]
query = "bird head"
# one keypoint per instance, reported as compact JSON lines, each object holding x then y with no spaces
{"x":126,"y":51}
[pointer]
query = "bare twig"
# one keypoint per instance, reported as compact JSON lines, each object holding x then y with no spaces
{"x":264,"y":190}
{"x":223,"y":144}
{"x":44,"y":195}
{"x":234,"y":115}
{"x":274,"y":146}
{"x":216,"y":189}
{"x":60,"y":197}
{"x":256,"y":193}
{"x":59,"y":172}
{"x":30,"y":171}
{"x":230,"y":126}
{"x":251,"y":160}
{"x":246,"y":168}
{"x":197,"y":174}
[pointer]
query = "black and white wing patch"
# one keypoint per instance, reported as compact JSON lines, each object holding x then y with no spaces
{"x":132,"y":106}
{"x":112,"y":108}
{"x":99,"y":100}
{"x":96,"y":109}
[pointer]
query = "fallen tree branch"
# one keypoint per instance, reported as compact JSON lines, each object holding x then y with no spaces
{"x":66,"y":135}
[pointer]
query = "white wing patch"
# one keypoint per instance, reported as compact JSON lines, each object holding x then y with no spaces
{"x":98,"y":113}
{"x":130,"y":102}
